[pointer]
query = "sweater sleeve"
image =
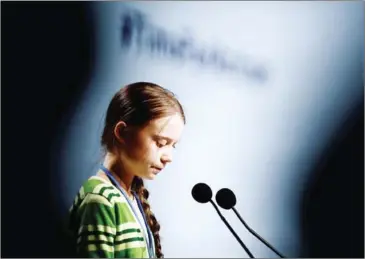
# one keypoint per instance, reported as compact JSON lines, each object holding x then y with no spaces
{"x":97,"y":228}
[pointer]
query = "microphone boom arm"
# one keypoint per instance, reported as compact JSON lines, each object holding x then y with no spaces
{"x":231,"y":229}
{"x":257,"y":235}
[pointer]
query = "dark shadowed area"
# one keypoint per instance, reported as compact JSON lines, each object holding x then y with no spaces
{"x":47,"y":57}
{"x":332,"y":207}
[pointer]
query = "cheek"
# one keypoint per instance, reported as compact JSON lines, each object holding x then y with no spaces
{"x":145,"y":151}
{"x":152,"y":153}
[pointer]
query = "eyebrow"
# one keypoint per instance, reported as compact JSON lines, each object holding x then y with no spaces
{"x":167,"y":138}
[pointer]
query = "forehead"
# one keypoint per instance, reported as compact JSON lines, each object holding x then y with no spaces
{"x":169,"y":126}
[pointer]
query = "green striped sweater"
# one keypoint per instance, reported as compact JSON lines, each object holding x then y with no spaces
{"x":103,"y":223}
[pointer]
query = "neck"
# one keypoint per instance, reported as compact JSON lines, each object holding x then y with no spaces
{"x":125,"y":180}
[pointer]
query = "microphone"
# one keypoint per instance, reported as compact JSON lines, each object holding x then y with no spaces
{"x":202,"y":193}
{"x":227,"y":200}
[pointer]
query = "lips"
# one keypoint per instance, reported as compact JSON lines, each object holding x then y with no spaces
{"x":156,"y":169}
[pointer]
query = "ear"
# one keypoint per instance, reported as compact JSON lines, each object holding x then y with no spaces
{"x":119,"y":130}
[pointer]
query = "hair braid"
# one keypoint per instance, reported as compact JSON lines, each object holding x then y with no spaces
{"x":143,"y":194}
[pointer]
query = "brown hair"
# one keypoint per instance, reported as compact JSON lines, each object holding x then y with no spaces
{"x":137,"y":104}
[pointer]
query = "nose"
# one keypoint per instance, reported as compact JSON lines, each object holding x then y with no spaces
{"x":166,"y":158}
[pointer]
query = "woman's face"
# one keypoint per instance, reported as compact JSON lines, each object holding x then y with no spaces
{"x":151,"y":148}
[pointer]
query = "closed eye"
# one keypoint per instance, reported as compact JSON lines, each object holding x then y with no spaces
{"x":160,"y":144}
{"x":163,"y":141}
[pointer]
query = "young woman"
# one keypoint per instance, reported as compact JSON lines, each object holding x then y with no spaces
{"x":110,"y":216}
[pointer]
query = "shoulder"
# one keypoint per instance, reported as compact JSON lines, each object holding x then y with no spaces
{"x":98,"y":190}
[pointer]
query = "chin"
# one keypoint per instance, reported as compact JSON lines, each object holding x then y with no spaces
{"x":150,"y":177}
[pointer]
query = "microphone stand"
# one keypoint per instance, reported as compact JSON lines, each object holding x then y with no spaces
{"x":231,"y":229}
{"x":257,"y":235}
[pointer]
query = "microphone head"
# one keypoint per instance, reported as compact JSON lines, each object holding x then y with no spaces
{"x":225,"y":198}
{"x":202,"y":193}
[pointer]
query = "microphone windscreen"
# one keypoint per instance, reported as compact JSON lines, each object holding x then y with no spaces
{"x":225,"y":198}
{"x":202,"y":193}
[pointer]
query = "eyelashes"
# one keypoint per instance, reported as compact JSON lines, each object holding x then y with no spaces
{"x":160,"y":145}
{"x":163,"y":143}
